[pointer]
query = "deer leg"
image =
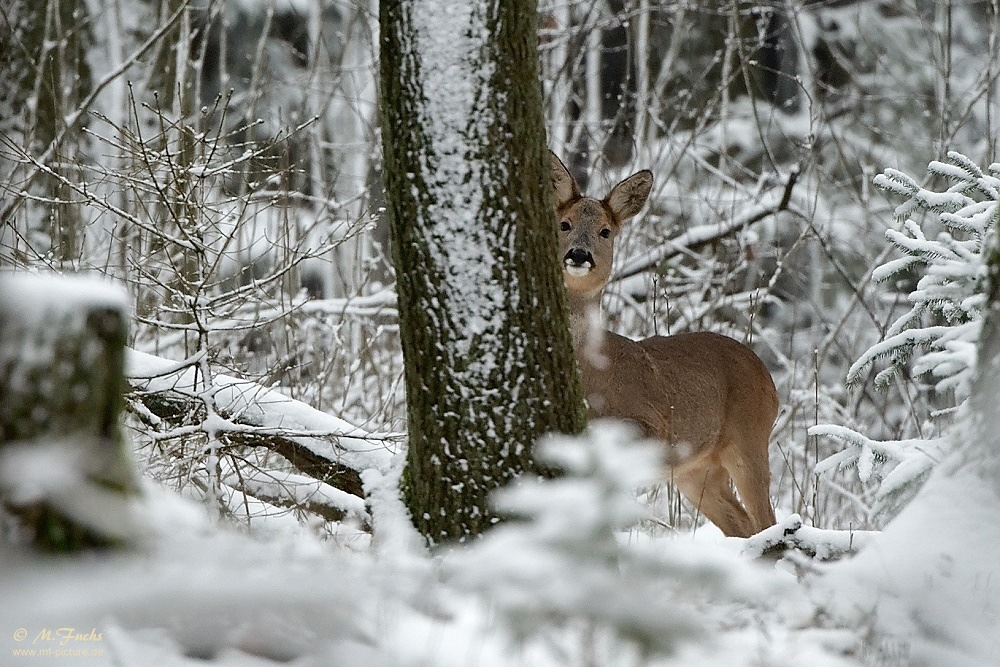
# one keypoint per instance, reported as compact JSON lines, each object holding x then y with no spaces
{"x":707,"y":488}
{"x":751,"y":473}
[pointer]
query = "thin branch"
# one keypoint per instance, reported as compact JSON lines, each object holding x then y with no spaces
{"x":697,"y":239}
{"x":74,"y":118}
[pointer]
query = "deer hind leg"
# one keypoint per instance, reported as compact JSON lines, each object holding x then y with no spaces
{"x":707,"y":488}
{"x":750,"y":470}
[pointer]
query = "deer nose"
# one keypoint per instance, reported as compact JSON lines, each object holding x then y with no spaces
{"x":579,"y":258}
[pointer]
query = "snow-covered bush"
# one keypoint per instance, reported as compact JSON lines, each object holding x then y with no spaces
{"x":566,"y":558}
{"x":941,"y":236}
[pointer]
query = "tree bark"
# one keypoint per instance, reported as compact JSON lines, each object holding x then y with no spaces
{"x":980,"y":450}
{"x":488,"y":358}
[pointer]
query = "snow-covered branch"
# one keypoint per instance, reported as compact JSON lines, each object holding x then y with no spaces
{"x":327,"y":448}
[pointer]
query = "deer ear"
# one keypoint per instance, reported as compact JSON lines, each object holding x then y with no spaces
{"x":563,"y":185}
{"x":628,"y":197}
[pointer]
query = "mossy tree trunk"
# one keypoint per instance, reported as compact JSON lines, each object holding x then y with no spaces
{"x":65,"y":470}
{"x":488,"y":358}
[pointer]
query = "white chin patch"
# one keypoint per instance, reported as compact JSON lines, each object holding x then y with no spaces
{"x":577,"y":271}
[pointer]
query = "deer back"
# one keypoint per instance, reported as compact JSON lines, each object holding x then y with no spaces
{"x":681,"y":389}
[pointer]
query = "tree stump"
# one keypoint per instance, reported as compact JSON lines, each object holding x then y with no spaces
{"x":65,"y":472}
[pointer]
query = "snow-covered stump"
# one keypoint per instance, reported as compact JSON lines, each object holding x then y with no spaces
{"x":65,"y":472}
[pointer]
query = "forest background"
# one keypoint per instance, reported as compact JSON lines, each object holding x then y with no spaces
{"x":222,"y":160}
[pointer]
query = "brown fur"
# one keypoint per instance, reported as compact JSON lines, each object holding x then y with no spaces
{"x":707,"y":397}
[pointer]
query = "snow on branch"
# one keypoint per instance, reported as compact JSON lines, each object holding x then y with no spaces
{"x":302,"y":491}
{"x":243,"y":412}
{"x":951,"y":262}
{"x":897,"y":350}
{"x":818,"y":543}
{"x":897,"y":465}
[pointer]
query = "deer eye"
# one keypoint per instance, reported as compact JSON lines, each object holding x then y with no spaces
{"x":605,"y":233}
{"x":565,"y":226}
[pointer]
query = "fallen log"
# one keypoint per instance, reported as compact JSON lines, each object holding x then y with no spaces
{"x":321,"y":446}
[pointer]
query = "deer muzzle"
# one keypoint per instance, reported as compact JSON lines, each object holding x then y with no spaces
{"x":578,"y":262}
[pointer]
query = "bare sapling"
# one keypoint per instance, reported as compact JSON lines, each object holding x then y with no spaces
{"x":707,"y":397}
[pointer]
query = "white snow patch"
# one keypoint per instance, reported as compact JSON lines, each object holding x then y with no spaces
{"x":36,"y":295}
{"x":929,"y":581}
{"x":60,"y":473}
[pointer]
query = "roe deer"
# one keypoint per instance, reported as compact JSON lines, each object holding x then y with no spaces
{"x":709,"y":398}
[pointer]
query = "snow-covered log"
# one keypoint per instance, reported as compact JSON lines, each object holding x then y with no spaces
{"x":244,"y":413}
{"x":818,"y":543}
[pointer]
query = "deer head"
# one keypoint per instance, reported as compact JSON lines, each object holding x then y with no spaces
{"x":588,"y":227}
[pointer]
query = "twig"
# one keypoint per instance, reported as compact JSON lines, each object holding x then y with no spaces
{"x":692,"y":241}
{"x":74,"y":118}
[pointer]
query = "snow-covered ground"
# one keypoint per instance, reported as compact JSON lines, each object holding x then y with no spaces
{"x":573,"y":582}
{"x":569,"y":586}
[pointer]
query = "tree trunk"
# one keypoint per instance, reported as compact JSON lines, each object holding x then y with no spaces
{"x":980,"y":451}
{"x":488,"y":358}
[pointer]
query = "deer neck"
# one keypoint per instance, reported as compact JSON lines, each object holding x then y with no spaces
{"x":586,"y":323}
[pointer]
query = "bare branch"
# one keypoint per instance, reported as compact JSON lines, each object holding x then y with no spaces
{"x":699,"y":237}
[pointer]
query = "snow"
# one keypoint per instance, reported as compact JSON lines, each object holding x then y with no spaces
{"x":790,"y":533}
{"x":300,"y":489}
{"x":699,"y":234}
{"x":193,"y":592}
{"x":46,"y":294}
{"x":379,"y":304}
{"x":929,"y":580}
{"x":572,"y":580}
{"x":196,"y":594}
{"x":891,"y":346}
{"x":59,"y":473}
